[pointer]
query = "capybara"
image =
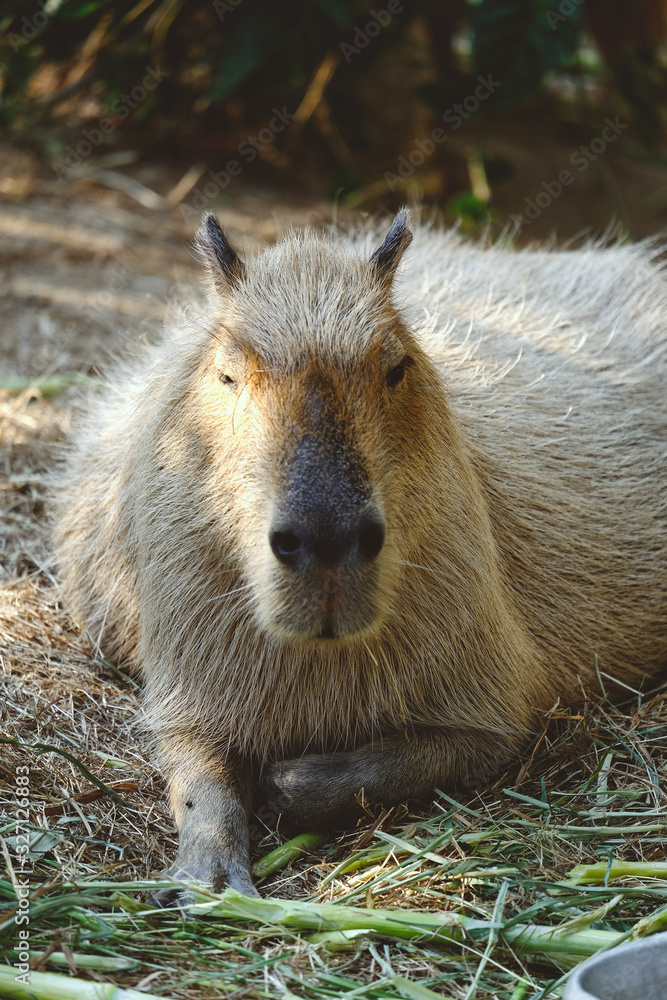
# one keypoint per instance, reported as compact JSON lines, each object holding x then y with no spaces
{"x":361,"y":527}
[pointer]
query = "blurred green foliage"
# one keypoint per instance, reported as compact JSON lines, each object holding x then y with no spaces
{"x":521,"y":41}
{"x":259,"y":52}
{"x":470,"y":210}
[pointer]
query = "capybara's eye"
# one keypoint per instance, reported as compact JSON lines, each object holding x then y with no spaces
{"x":227,"y":380}
{"x":397,"y":373}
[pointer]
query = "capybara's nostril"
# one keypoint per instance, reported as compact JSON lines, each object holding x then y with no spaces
{"x":286,"y":546}
{"x":370,"y":541}
{"x":327,"y":544}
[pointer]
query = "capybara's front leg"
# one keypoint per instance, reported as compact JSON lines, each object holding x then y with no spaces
{"x":210,"y":800}
{"x":326,"y":791}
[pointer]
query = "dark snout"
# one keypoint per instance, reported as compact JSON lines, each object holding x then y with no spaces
{"x":326,"y":533}
{"x":302,"y":544}
{"x":326,"y":515}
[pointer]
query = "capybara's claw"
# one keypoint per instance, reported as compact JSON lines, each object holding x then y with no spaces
{"x":181,"y":895}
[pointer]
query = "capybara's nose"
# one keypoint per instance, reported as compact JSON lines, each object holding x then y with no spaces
{"x":300,"y":546}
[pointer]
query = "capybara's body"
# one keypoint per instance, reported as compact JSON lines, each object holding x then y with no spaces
{"x":362,"y":533}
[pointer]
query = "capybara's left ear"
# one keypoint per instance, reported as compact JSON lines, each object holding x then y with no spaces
{"x":222,"y":262}
{"x":386,"y":258}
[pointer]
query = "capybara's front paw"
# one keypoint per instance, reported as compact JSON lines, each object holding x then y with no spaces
{"x":213,"y":869}
{"x":312,"y":792}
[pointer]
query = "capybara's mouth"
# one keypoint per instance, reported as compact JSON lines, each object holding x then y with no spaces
{"x":318,"y":631}
{"x":319,"y":624}
{"x":331,"y":604}
{"x":328,"y":631}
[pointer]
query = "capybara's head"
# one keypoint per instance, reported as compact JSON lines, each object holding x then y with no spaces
{"x":316,"y":417}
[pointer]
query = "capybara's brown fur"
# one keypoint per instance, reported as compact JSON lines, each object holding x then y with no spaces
{"x":362,"y":533}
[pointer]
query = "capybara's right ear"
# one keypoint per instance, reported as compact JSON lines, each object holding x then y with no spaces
{"x":222,"y":262}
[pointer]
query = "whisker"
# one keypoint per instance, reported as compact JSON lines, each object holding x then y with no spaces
{"x":219,"y":597}
{"x":404,"y":562}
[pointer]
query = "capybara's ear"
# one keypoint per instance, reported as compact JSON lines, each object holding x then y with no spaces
{"x":386,"y":258}
{"x":223,"y":263}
